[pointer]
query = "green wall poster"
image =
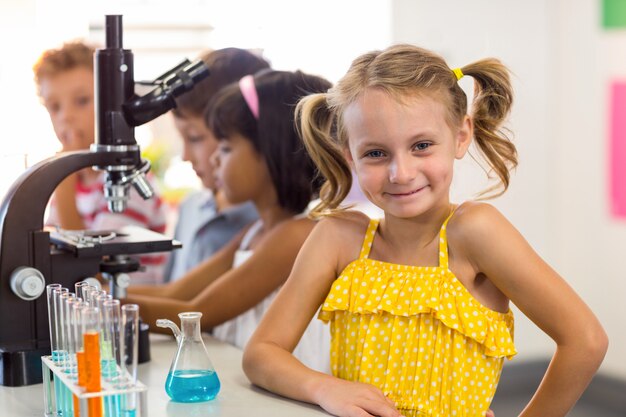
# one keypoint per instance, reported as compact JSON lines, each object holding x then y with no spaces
{"x":614,"y":14}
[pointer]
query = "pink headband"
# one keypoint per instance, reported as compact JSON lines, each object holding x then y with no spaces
{"x":248,"y":91}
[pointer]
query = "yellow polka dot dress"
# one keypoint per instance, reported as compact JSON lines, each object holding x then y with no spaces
{"x":417,"y":334}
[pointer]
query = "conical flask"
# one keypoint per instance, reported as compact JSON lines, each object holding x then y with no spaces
{"x":192,"y":377}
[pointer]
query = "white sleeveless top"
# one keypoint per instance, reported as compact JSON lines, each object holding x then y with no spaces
{"x":313,"y":350}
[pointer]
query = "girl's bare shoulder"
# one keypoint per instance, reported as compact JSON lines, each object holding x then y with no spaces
{"x":342,"y":235}
{"x":343,"y":226}
{"x":346,"y":224}
{"x":474,"y":224}
{"x":474,"y":217}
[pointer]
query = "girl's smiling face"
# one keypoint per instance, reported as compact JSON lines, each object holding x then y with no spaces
{"x":403,"y":152}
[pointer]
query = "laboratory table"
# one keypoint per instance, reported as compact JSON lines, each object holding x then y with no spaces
{"x":237,"y":397}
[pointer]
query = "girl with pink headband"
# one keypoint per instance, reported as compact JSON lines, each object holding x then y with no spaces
{"x":260,"y":158}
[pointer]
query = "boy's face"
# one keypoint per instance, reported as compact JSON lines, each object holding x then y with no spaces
{"x":199,"y":144}
{"x":69,"y":99}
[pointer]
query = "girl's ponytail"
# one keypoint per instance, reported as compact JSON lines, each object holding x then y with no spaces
{"x":316,"y":125}
{"x":493,"y":98}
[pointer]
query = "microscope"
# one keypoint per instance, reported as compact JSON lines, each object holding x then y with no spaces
{"x":32,"y":256}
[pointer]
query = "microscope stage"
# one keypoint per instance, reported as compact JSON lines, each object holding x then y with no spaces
{"x":126,"y":240}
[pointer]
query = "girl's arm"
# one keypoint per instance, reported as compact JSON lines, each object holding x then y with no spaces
{"x":195,"y":280}
{"x":238,"y":289}
{"x":267,"y":359}
{"x":497,"y":249}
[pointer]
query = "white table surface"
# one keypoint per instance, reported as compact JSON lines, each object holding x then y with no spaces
{"x":237,"y":397}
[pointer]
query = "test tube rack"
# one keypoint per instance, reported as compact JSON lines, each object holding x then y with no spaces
{"x":137,"y":393}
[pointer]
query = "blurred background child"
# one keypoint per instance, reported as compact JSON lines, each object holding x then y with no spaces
{"x":206,"y":220}
{"x":260,"y":158}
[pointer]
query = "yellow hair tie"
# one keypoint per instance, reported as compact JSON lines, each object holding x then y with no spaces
{"x":458,"y":73}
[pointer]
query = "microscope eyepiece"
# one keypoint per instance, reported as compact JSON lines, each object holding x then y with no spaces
{"x":113,"y":31}
{"x":170,"y":85}
{"x":187,"y":77}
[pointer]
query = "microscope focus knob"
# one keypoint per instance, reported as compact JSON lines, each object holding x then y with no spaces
{"x":93,"y":282}
{"x":122,"y":280}
{"x":27,"y":283}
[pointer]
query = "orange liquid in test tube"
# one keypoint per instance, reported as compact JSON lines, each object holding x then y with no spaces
{"x":91,"y":359}
{"x":80,"y":363}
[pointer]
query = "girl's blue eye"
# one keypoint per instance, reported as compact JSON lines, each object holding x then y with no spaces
{"x":422,"y":146}
{"x":375,"y":154}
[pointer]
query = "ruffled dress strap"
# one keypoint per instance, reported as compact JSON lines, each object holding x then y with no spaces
{"x":368,"y":239}
{"x":443,"y":242}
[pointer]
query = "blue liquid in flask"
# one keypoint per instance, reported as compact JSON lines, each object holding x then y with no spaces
{"x":190,"y":386}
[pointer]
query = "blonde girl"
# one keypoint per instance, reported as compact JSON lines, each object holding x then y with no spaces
{"x":418,"y":302}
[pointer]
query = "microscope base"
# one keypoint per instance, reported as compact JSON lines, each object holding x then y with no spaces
{"x":21,"y":366}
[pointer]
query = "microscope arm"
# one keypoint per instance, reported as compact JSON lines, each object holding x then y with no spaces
{"x":23,"y":242}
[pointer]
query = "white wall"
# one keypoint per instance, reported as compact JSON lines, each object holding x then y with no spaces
{"x":557,"y":198}
{"x":592,"y":245}
{"x":321,"y":37}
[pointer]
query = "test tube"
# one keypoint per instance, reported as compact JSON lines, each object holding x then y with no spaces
{"x":78,"y":372}
{"x":101,"y":297}
{"x":129,"y":339}
{"x":86,"y":292}
{"x":78,"y":288}
{"x":90,"y":322}
{"x":58,"y":353}
{"x":64,"y":403}
{"x":62,"y":336}
{"x":93,"y":302}
{"x":53,"y":292}
{"x":52,"y":317}
{"x":91,"y":357}
{"x":110,"y":355}
{"x":77,"y":321}
{"x":70,"y":332}
{"x":110,"y":336}
{"x":77,"y":311}
{"x":68,"y":337}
